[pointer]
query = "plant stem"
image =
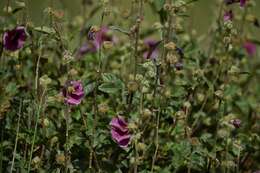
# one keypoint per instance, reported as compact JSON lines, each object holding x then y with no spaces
{"x":1,"y":145}
{"x":7,"y":5}
{"x":67,"y":112}
{"x":17,"y":136}
{"x":35,"y":129}
{"x":156,"y":141}
{"x":241,"y":30}
{"x":95,"y":106}
{"x":238,"y":160}
{"x":137,"y":35}
{"x":37,"y":75}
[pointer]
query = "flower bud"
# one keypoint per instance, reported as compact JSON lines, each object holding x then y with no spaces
{"x":132,"y":126}
{"x":170,"y":46}
{"x":73,"y":72}
{"x":139,"y":77}
{"x":45,"y":80}
{"x":131,"y":77}
{"x":132,"y":86}
{"x":108,"y":44}
{"x":147,"y":113}
{"x":167,"y":93}
{"x":157,"y":25}
{"x":103,"y":108}
{"x":141,"y":146}
{"x":36,"y":161}
{"x":187,"y":104}
{"x":45,"y":122}
{"x":60,"y":159}
{"x":200,"y":97}
{"x":219,"y":93}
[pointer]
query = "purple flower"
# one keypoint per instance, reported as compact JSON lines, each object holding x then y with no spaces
{"x":87,"y":47}
{"x":236,"y":123}
{"x":250,"y":48}
{"x":14,"y":39}
{"x":73,"y":92}
{"x":242,"y":2}
{"x":228,"y":15}
{"x":151,"y":51}
{"x":96,"y":40}
{"x":103,"y":35}
{"x":120,"y":132}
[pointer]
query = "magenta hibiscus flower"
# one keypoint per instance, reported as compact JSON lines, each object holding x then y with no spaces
{"x":73,"y":92}
{"x":120,"y":132}
{"x":14,"y":39}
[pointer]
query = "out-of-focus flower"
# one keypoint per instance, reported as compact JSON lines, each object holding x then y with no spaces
{"x":250,"y":48}
{"x":87,"y":47}
{"x":14,"y":39}
{"x":120,"y":132}
{"x":95,"y":40}
{"x":228,"y":15}
{"x":103,"y":35}
{"x":236,"y":123}
{"x":242,"y":2}
{"x":73,"y":92}
{"x":151,"y":49}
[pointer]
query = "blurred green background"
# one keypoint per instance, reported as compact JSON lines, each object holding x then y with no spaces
{"x":201,"y":13}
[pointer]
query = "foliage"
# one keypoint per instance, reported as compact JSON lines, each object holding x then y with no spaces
{"x":192,"y":103}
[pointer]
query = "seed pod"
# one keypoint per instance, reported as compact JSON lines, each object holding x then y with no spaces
{"x":132,"y":86}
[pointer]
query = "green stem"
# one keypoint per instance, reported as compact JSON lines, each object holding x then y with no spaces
{"x":17,"y":136}
{"x":95,"y":106}
{"x":67,"y":138}
{"x":1,"y":146}
{"x":35,"y":130}
{"x":156,"y":141}
{"x":238,"y":160}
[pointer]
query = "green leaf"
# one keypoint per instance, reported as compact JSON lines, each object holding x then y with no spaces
{"x":110,"y":88}
{"x":111,"y":84}
{"x":109,"y":77}
{"x":45,"y":30}
{"x":89,"y":88}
